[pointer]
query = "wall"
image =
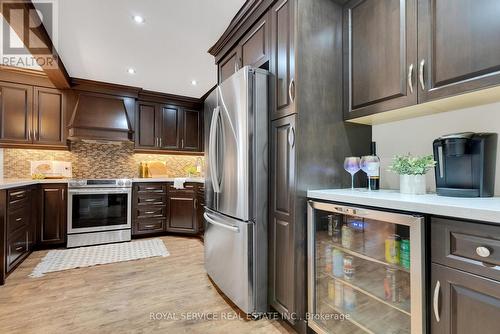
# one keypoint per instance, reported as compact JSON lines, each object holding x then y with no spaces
{"x":416,"y":136}
{"x":94,"y":161}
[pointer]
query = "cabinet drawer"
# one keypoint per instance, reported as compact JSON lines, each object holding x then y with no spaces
{"x":151,"y":198}
{"x":17,"y":197}
{"x":152,"y":211}
{"x":17,"y":248}
{"x":473,"y":247}
{"x":187,"y":186}
{"x":144,"y":226}
{"x":152,"y":188}
{"x":17,"y":219}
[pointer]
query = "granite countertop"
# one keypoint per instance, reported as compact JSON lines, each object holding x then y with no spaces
{"x":13,"y":183}
{"x":483,"y":209}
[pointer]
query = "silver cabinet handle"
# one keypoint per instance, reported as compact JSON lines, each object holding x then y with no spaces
{"x":483,"y":251}
{"x":18,"y":219}
{"x":36,"y":135}
{"x":216,"y":223}
{"x":291,"y":137}
{"x":410,"y":78}
{"x":160,"y":143}
{"x":149,"y":212}
{"x":195,"y":203}
{"x":435,"y":301}
{"x":290,"y":95}
{"x":29,"y":134}
{"x":421,"y":74}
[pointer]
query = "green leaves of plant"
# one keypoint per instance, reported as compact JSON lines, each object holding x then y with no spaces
{"x":412,"y":165}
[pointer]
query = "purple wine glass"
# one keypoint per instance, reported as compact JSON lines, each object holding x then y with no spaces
{"x":352,"y":166}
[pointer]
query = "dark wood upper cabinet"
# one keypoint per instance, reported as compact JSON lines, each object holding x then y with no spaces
{"x":49,"y":117}
{"x":147,"y":131}
{"x":281,"y":219}
{"x":230,"y":64}
{"x":380,"y":54}
{"x":16,"y":113}
{"x":53,"y":214}
{"x":255,"y":45}
{"x":458,"y":46}
{"x":464,"y":303}
{"x":170,"y":128}
{"x":191,"y":130}
{"x":282,"y":63}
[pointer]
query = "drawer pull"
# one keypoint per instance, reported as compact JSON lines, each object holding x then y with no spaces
{"x":149,"y":226}
{"x":483,"y":251}
{"x":150,"y":200}
{"x":19,"y":248}
{"x":435,"y":301}
{"x":18,"y":219}
{"x":149,"y":212}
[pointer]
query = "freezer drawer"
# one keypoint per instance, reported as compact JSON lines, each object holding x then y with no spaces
{"x":228,"y":257}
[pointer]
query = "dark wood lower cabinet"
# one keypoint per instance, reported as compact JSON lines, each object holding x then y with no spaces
{"x":53,"y":202}
{"x":159,"y":207}
{"x":182,"y":213}
{"x":464,"y":303}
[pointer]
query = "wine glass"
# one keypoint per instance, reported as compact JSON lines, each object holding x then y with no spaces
{"x":351,"y":165}
{"x":370,"y":164}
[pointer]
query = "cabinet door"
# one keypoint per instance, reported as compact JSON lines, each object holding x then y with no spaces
{"x":191,"y":130}
{"x":48,"y":117}
{"x":281,"y":220}
{"x":16,"y":112}
{"x":282,"y":64}
{"x":170,"y":121}
{"x":380,"y":51}
{"x":465,"y":303}
{"x":230,"y":64}
{"x":147,"y":123}
{"x":181,"y":213}
{"x":53,"y":214}
{"x":458,"y":46}
{"x":256,"y":44}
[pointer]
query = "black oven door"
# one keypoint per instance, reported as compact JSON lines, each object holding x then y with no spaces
{"x":93,"y":211}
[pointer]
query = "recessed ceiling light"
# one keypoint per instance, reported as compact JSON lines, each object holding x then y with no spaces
{"x":138,"y":19}
{"x":194,"y":82}
{"x":131,"y":71}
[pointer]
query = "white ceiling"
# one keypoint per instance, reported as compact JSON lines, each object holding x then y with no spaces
{"x":98,"y":40}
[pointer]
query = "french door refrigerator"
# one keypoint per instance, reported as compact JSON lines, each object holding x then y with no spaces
{"x":366,"y":270}
{"x":236,"y":149}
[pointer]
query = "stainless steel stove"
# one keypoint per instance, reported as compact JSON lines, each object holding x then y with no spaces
{"x":99,"y":211}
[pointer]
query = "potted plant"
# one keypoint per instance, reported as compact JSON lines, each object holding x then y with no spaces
{"x":412,"y":170}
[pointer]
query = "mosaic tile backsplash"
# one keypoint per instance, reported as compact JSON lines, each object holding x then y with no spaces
{"x":95,"y":161}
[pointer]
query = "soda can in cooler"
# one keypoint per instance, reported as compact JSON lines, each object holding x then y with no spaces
{"x":328,"y":258}
{"x":338,"y":263}
{"x":331,"y":290}
{"x":348,"y":267}
{"x":339,"y":294}
{"x":349,"y":298}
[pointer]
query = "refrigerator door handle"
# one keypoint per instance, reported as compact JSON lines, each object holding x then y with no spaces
{"x":212,"y":149}
{"x":214,"y":222}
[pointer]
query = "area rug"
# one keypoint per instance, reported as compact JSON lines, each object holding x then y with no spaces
{"x":64,"y":259}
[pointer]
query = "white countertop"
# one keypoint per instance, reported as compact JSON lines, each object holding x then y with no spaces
{"x":482,"y":209}
{"x":13,"y":183}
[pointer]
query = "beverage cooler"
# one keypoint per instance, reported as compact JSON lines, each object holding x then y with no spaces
{"x":365,"y":271}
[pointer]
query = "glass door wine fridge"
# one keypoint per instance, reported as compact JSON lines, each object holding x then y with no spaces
{"x":365,"y":270}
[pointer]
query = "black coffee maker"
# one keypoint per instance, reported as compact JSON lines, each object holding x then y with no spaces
{"x":466,"y":164}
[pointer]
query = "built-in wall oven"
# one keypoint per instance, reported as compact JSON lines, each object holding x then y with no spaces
{"x":99,"y":211}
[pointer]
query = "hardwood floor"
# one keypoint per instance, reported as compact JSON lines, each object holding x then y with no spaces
{"x":124,"y":298}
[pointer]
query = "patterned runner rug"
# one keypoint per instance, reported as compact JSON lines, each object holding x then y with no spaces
{"x":64,"y":259}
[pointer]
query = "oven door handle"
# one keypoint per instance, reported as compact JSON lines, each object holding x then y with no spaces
{"x":99,"y":191}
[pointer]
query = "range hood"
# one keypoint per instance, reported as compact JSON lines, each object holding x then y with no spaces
{"x":101,"y":118}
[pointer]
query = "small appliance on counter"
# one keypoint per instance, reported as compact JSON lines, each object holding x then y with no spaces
{"x":52,"y":169}
{"x":466,"y":164}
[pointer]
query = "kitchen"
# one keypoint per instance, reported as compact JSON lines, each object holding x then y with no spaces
{"x":217,"y":197}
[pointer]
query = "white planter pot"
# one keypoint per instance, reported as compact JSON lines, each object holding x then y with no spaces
{"x":412,"y":184}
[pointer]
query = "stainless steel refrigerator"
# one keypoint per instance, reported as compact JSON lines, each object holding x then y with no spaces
{"x":236,"y":149}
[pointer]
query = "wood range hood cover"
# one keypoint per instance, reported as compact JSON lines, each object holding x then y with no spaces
{"x":100,"y":117}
